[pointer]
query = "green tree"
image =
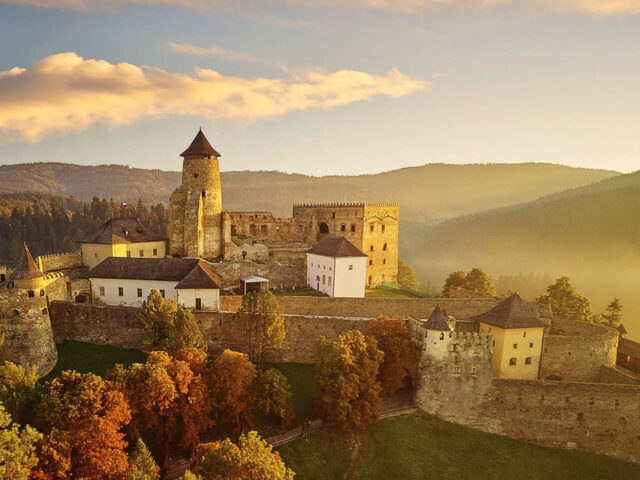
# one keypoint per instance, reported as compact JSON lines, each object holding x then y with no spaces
{"x":17,"y":448}
{"x":250,"y":459}
{"x":18,"y":391}
{"x":168,"y":326}
{"x":261,"y":318}
{"x":613,"y":314}
{"x":407,"y":276}
{"x":349,"y":392}
{"x":455,"y":279}
{"x":142,"y":466}
{"x":478,"y":280}
{"x":566,"y":302}
{"x":188,"y":475}
{"x":274,"y":396}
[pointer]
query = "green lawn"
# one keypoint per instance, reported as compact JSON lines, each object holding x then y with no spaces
{"x":389,"y":292}
{"x":298,"y":292}
{"x":300,"y":378}
{"x":86,"y":357}
{"x":422,"y":447}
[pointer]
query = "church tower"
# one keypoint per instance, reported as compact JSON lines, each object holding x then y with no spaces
{"x":195,"y":210}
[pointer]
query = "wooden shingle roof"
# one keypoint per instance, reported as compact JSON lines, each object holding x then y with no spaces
{"x":200,"y":146}
{"x":26,"y":268}
{"x":511,"y":313}
{"x":335,"y":246}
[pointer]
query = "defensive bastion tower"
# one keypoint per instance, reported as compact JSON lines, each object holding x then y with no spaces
{"x":195,"y":211}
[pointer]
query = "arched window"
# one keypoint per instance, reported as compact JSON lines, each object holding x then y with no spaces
{"x":513,"y":361}
{"x":442,"y":336}
{"x":329,"y":280}
{"x":323,"y":279}
{"x":317,"y":278}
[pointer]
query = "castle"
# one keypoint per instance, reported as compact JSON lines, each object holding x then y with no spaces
{"x":499,"y":366}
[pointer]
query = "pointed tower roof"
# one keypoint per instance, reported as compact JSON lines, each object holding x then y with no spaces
{"x":511,"y":313}
{"x":200,"y":146}
{"x":26,"y":268}
{"x":437,"y":321}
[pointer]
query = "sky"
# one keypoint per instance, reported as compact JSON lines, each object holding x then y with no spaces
{"x":321,"y":87}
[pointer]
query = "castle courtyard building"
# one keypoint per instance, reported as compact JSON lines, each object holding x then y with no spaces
{"x":129,"y":281}
{"x":336,"y":268}
{"x":122,"y":237}
{"x":517,"y":337}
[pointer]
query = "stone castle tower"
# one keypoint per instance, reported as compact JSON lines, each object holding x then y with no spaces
{"x":195,"y":211}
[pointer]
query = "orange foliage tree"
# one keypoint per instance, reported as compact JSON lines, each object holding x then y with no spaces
{"x":394,"y":340}
{"x":82,"y":417}
{"x":169,"y":396}
{"x":233,"y":379}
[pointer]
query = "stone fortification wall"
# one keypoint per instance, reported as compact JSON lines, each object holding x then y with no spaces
{"x":119,"y":326}
{"x":575,"y":351}
{"x":280,"y":274}
{"x":372,"y":307}
{"x":29,"y":341}
{"x":264,"y":227}
{"x":618,"y":375}
{"x":59,"y":261}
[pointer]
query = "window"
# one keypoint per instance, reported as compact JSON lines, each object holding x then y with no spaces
{"x":263,"y":229}
{"x":102,"y":291}
{"x":384,"y":247}
{"x":329,"y":280}
{"x":343,"y":228}
{"x":353,"y":227}
{"x":383,"y":227}
{"x":95,"y":255}
{"x":350,"y":267}
{"x":120,"y":292}
{"x":370,"y":279}
{"x":162,"y":293}
{"x":324,"y":267}
{"x":456,"y":369}
{"x":494,"y":343}
{"x":142,"y":253}
{"x":370,"y":262}
{"x":155,"y":252}
{"x":371,"y":248}
{"x":333,"y":215}
{"x":524,"y":334}
{"x":531,"y":345}
{"x":442,"y":336}
{"x":139,"y":293}
{"x":515,"y":345}
{"x":195,"y":175}
{"x":312,"y":264}
{"x":384,"y":261}
{"x":198,"y":304}
{"x":323,"y":279}
{"x":371,"y":228}
{"x":472,"y":371}
{"x":128,"y":253}
{"x":383,"y":276}
{"x":41,"y":293}
{"x":30,"y":293}
{"x":527,"y":361}
{"x":513,"y":362}
{"x":317,"y":278}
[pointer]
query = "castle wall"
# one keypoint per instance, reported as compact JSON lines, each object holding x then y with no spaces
{"x":380,"y":242}
{"x":372,"y":306}
{"x":280,"y":274}
{"x":575,"y":351}
{"x":59,"y":261}
{"x":618,"y":375}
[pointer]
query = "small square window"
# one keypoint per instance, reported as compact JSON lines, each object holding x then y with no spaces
{"x":155,"y":252}
{"x":384,"y":261}
{"x":371,"y":228}
{"x":370,"y":262}
{"x":456,"y":369}
{"x":531,"y":345}
{"x":128,"y":253}
{"x":383,"y":227}
{"x":353,"y":227}
{"x":30,"y":293}
{"x":343,"y":228}
{"x":515,"y":345}
{"x":524,"y":334}
{"x":139,"y":293}
{"x":142,"y":253}
{"x":120,"y":292}
{"x":350,"y":267}
{"x":527,"y":361}
{"x":102,"y":291}
{"x":371,"y":248}
{"x":162,"y":293}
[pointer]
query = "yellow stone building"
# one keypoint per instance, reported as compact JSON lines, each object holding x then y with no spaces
{"x":518,"y":334}
{"x":122,"y":237}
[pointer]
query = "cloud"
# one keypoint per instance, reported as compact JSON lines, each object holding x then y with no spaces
{"x":600,"y":7}
{"x":64,"y":93}
{"x":214,"y":51}
{"x":437,"y":75}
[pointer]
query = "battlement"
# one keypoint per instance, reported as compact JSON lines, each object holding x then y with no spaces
{"x":471,"y":337}
{"x":59,"y":261}
{"x":343,"y":205}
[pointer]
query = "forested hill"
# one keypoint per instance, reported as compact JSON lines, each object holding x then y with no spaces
{"x":591,"y":234}
{"x":428,"y":192}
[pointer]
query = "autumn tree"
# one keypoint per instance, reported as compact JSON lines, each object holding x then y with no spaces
{"x":455,"y":279}
{"x":477,"y":280}
{"x":142,"y":466}
{"x":612,"y":316}
{"x":18,"y":391}
{"x":168,"y":326}
{"x":274,"y":396}
{"x":232,"y":377}
{"x":349,"y":392}
{"x":82,"y":416}
{"x":407,"y":276}
{"x":250,"y":459}
{"x":261,"y":318}
{"x":167,"y":397}
{"x":565,"y":301}
{"x":17,"y":448}
{"x":394,"y":340}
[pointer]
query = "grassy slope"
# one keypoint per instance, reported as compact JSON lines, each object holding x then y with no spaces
{"x":423,"y":447}
{"x":301,"y":378}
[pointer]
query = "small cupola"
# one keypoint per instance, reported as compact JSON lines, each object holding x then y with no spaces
{"x":200,"y":147}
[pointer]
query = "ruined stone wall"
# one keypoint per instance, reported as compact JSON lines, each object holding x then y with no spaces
{"x":575,"y":351}
{"x":119,"y":326}
{"x":618,"y":375}
{"x":59,"y":261}
{"x":282,"y":275}
{"x":344,"y":219}
{"x":264,"y":227}
{"x":372,"y":306}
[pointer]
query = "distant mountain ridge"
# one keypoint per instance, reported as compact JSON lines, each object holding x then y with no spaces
{"x":425,"y":193}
